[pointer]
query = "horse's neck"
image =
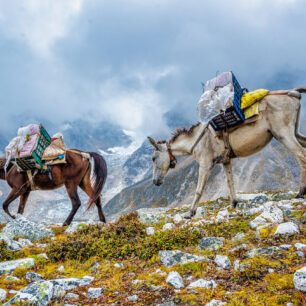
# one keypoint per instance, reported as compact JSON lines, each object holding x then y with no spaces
{"x":184,"y":144}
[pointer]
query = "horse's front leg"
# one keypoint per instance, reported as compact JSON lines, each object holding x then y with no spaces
{"x":228,"y":169}
{"x":204,"y":171}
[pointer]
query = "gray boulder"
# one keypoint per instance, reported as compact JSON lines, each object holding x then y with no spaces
{"x":2,"y":294}
{"x":94,"y":293}
{"x":299,"y":279}
{"x":202,"y":283}
{"x":175,"y":280}
{"x":8,"y":267}
{"x":215,"y":303}
{"x":22,"y":227}
{"x":223,"y":262}
{"x":71,"y":295}
{"x":263,"y":251}
{"x":38,"y":293}
{"x":71,"y":283}
{"x":171,"y":258}
{"x":211,"y":243}
{"x":33,"y":277}
{"x":288,"y":228}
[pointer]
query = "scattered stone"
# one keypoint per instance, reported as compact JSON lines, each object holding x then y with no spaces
{"x":71,"y":283}
{"x":12,"y":245}
{"x":288,"y":228}
{"x":239,"y":247}
{"x":61,"y":268}
{"x":8,"y":267}
{"x":136,"y":281}
{"x":168,"y":226}
{"x":171,"y":258}
{"x":73,"y":227}
{"x":132,"y":298}
{"x":299,"y":279}
{"x":24,"y":242}
{"x":260,"y":199}
{"x":119,"y":265}
{"x":95,"y":266}
{"x":58,"y":292}
{"x":177,"y":219}
{"x":283,"y":196}
{"x":12,"y":278}
{"x":2,"y":294}
{"x":33,"y":277}
{"x":254,"y":211}
{"x":249,"y":196}
{"x":200,"y":212}
{"x":38,"y":293}
{"x":13,"y":291}
{"x":300,"y":246}
{"x":41,"y":245}
{"x":94,"y":293}
{"x":189,"y":278}
{"x":285,"y":246}
{"x":238,"y":237}
{"x":22,"y":227}
{"x":71,"y":295}
{"x":272,"y":213}
{"x":223,"y":262}
{"x":150,"y":231}
{"x":263,"y":251}
{"x":175,"y":280}
{"x":215,"y":303}
{"x":160,"y":272}
{"x":43,"y":256}
{"x":211,"y":243}
{"x":270,"y":270}
{"x":202,"y":283}
{"x":223,"y":215}
{"x":258,"y":221}
{"x":151,"y":218}
{"x":240,"y":267}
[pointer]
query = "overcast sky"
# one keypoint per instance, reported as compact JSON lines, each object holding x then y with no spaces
{"x":131,"y":61}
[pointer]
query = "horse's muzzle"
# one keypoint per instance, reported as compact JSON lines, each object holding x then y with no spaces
{"x":157,"y":182}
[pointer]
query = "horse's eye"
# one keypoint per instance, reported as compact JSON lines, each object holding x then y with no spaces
{"x":153,"y":158}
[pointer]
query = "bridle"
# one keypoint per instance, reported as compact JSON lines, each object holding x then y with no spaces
{"x":173,"y":160}
{"x":2,"y":163}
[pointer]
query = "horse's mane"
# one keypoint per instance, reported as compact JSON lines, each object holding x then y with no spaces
{"x":179,"y":131}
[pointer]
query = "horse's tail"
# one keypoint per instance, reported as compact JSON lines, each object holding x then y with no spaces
{"x":300,"y":138}
{"x":100,"y":174}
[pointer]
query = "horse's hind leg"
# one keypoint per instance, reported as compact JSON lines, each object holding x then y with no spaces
{"x":72,"y":191}
{"x":23,"y":200}
{"x":292,"y":144}
{"x":85,"y":185}
{"x":228,"y":169}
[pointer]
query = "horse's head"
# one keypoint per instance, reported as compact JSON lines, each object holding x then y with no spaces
{"x":163,"y":159}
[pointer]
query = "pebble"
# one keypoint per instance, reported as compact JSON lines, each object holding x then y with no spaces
{"x":175,"y":280}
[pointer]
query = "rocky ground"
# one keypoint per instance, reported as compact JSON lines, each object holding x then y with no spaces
{"x":253,"y":255}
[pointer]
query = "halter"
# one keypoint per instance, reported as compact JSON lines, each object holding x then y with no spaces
{"x":173,"y":160}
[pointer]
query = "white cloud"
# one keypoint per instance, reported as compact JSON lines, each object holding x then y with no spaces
{"x":38,"y":23}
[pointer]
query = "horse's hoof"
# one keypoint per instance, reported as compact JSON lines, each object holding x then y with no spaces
{"x":234,"y":204}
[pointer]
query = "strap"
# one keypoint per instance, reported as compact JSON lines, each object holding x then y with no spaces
{"x":31,"y":178}
{"x":199,"y":138}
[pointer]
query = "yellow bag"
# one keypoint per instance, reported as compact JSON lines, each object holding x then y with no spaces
{"x":251,"y":111}
{"x":252,"y":97}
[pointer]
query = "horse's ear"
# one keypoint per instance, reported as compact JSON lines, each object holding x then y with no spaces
{"x":153,"y":143}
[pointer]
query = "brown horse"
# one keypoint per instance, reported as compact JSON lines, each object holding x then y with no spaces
{"x":76,"y":172}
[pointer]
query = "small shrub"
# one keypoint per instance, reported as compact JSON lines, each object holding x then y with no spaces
{"x":124,"y":239}
{"x":5,"y":254}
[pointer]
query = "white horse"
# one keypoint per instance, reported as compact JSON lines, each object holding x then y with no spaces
{"x":278,"y":118}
